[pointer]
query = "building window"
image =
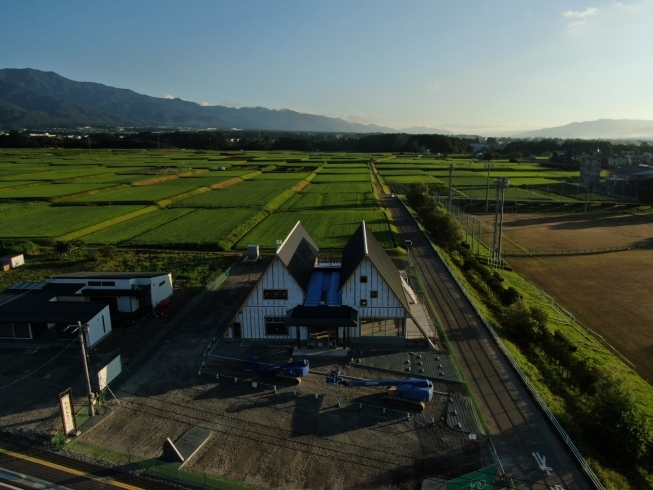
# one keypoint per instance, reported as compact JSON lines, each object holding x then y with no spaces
{"x":236,"y":330}
{"x":275,"y":294}
{"x":374,"y":294}
{"x":363,"y":302}
{"x":363,"y":278}
{"x":161,"y":283}
{"x":275,"y":325}
{"x":94,"y":283}
{"x":104,"y":325}
{"x":108,"y":283}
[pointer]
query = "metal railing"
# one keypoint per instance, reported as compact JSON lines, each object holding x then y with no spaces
{"x":524,"y":377}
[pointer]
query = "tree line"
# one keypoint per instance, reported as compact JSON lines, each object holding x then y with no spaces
{"x":245,"y":140}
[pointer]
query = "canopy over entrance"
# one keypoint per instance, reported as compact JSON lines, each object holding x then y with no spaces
{"x":322,"y":316}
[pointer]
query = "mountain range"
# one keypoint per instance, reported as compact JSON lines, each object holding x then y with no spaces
{"x":41,"y":100}
{"x":599,"y":129}
{"x":38,"y":99}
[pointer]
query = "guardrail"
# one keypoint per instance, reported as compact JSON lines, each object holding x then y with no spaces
{"x":534,"y":393}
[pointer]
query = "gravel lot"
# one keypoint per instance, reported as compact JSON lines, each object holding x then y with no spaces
{"x":283,"y":439}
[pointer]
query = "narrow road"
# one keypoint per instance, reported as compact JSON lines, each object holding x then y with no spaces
{"x":69,"y":473}
{"x":518,"y":428}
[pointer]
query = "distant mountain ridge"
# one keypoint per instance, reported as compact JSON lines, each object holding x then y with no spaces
{"x":38,"y":99}
{"x":599,"y":129}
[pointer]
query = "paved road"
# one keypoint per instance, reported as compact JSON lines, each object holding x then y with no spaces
{"x":68,"y":473}
{"x":516,"y":425}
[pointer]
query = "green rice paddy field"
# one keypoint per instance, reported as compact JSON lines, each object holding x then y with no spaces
{"x":198,"y":198}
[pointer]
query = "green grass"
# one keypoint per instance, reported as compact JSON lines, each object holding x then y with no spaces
{"x":325,"y":178}
{"x":243,"y":194}
{"x":331,"y":201}
{"x":54,"y":221}
{"x":426,"y":179}
{"x":282,"y":176}
{"x":331,"y":188}
{"x":129,"y":229}
{"x":145,"y":193}
{"x":203,"y":227}
{"x":51,"y":190}
{"x":330,"y":230}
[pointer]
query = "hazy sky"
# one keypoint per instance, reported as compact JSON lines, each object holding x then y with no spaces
{"x":460,"y":65}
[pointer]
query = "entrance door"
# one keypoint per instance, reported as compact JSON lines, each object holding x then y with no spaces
{"x":236,"y":330}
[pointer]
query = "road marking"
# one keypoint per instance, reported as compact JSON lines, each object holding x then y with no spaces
{"x":541,"y":462}
{"x":69,"y":470}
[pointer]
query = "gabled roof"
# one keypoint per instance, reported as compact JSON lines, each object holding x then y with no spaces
{"x":363,"y":244}
{"x":298,"y":253}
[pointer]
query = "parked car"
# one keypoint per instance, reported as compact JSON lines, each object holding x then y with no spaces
{"x":163,"y":309}
{"x":408,"y":243}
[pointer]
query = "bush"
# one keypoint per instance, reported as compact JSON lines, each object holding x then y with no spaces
{"x":617,"y":426}
{"x":18,"y":247}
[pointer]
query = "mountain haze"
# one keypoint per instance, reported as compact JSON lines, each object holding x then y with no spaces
{"x":601,"y":128}
{"x":38,"y":99}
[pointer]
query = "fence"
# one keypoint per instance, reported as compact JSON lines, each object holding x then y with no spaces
{"x":584,"y":251}
{"x":535,"y":394}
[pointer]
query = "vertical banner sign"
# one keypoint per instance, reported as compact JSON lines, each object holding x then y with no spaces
{"x":67,"y":411}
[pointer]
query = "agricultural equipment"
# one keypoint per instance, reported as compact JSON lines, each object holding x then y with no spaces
{"x":292,"y":369}
{"x":409,"y":393}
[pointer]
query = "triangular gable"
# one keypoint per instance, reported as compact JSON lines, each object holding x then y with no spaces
{"x":363,"y":244}
{"x":298,"y":253}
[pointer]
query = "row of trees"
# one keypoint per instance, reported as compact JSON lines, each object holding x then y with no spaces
{"x":246,"y":140}
{"x":606,"y":410}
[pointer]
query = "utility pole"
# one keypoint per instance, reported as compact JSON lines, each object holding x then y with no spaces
{"x":501,"y":185}
{"x":488,"y":166}
{"x":450,"y":179}
{"x":89,"y":143}
{"x":82,"y":330}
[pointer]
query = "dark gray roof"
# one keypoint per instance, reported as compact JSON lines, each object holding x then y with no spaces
{"x":631,"y":170}
{"x":363,"y":244}
{"x":34,"y":306}
{"x":298,"y":253}
{"x":110,"y":275}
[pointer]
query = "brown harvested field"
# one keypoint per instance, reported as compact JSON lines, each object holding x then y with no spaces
{"x":612,"y":293}
{"x":548,"y":232}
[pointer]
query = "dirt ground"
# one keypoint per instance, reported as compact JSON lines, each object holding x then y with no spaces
{"x":611,"y":293}
{"x":547,"y":232}
{"x":283,"y":439}
{"x":297,"y":437}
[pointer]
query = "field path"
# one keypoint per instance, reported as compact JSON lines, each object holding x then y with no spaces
{"x":517,"y":428}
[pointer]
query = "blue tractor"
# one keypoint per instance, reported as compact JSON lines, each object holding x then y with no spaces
{"x":409,"y":393}
{"x":293,"y":370}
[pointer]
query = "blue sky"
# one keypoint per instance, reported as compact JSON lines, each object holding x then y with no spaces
{"x":464,"y":65}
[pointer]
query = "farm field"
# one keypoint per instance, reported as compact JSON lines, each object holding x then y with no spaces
{"x":330,"y":230}
{"x":331,"y":201}
{"x":53,"y":221}
{"x":107,"y":185}
{"x":608,"y":292}
{"x":549,"y":232}
{"x":125,"y":230}
{"x":243,"y":194}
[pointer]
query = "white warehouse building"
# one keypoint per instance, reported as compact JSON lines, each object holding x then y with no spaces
{"x":299,"y":296}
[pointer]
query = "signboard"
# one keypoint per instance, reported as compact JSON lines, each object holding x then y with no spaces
{"x":67,"y":411}
{"x":109,"y":372}
{"x":481,"y":479}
